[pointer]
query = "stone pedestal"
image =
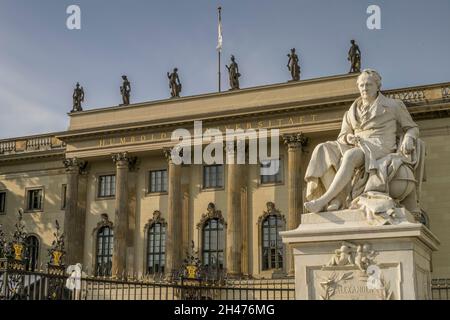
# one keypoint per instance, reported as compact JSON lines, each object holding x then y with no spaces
{"x":341,"y":255}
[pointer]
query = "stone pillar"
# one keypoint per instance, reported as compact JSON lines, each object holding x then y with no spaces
{"x":123,"y":161}
{"x":245,"y":230}
{"x":234,"y":215}
{"x":74,"y":221}
{"x":186,"y":220}
{"x":389,"y":262}
{"x":133,"y":237}
{"x":174,"y":229}
{"x":295,"y":144}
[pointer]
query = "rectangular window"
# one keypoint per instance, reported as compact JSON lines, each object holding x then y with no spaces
{"x":107,"y":186}
{"x":158,"y":181}
{"x":275,"y":178}
{"x":2,"y":202}
{"x":63,"y":196}
{"x":213,"y":176}
{"x":34,"y":199}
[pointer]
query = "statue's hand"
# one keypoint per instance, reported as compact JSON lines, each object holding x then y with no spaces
{"x":352,"y":139}
{"x":408,"y":145}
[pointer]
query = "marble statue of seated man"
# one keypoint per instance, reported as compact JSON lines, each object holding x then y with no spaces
{"x":377,"y":152}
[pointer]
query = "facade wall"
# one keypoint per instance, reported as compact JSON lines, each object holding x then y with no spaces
{"x":330,"y":99}
{"x":15,"y":180}
{"x":435,"y":200}
{"x":51,"y":176}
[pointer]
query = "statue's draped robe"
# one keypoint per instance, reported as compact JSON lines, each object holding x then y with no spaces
{"x":381,"y":129}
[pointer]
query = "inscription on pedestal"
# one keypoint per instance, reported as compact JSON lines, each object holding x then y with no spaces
{"x":350,"y":283}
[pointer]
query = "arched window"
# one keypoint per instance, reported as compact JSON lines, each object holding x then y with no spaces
{"x":270,"y":224}
{"x":105,"y":243}
{"x":32,"y":257}
{"x":272,"y":246}
{"x":213,"y":244}
{"x":156,"y":247}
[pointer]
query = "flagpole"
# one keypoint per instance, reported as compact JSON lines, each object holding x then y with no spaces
{"x":219,"y":73}
{"x":220,"y":49}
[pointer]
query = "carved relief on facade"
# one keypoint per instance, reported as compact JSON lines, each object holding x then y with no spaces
{"x":211,"y":213}
{"x":104,"y":222}
{"x":155,"y":219}
{"x":271,"y":210}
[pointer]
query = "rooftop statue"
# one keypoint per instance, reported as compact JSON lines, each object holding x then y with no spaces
{"x":293,"y":65}
{"x":354,"y":56}
{"x":174,"y":83}
{"x":78,"y":98}
{"x":376,"y":160}
{"x":233,"y":73}
{"x":125,"y":90}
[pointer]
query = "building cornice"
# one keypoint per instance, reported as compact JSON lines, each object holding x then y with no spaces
{"x":57,"y":154}
{"x":207,"y":117}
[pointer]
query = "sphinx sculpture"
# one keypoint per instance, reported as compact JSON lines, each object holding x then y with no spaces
{"x":377,"y":162}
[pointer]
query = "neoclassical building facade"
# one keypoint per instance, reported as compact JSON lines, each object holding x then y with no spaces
{"x":128,"y":207}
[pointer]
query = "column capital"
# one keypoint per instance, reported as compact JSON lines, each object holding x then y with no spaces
{"x":295,"y":140}
{"x":122,"y":159}
{"x":74,"y":165}
{"x":167,"y":151}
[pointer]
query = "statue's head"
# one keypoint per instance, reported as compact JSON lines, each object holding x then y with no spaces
{"x":78,"y":85}
{"x":352,"y":41}
{"x":124,"y":78}
{"x":369,"y":83}
{"x":232,"y":58}
{"x":175,"y":70}
{"x":293,"y":50}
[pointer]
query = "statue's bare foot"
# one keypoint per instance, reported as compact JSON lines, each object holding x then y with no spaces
{"x":335,"y":204}
{"x":315,"y":206}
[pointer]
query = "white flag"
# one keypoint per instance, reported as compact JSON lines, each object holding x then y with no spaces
{"x":219,"y":37}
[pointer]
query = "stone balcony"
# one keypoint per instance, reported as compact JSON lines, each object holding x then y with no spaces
{"x":422,"y":94}
{"x":32,"y":144}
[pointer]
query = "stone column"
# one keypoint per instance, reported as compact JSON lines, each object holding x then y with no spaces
{"x":185,"y":220}
{"x":245,"y":231}
{"x":234,"y":215}
{"x":295,"y":144}
{"x":174,"y":229}
{"x":123,"y":161}
{"x":133,"y":252}
{"x":74,"y":221}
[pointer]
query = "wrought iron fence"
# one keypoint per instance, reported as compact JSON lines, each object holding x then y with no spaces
{"x":440,"y":289}
{"x":24,"y":285}
{"x":192,"y":282}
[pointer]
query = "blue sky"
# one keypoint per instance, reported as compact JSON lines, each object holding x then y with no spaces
{"x":41,"y":60}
